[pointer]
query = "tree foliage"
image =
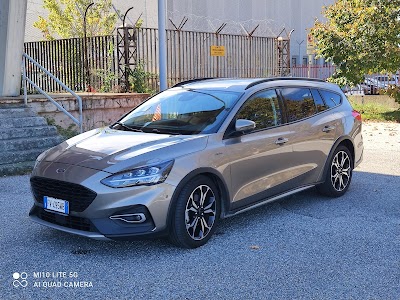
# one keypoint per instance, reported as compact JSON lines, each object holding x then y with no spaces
{"x":360,"y":37}
{"x":65,"y":20}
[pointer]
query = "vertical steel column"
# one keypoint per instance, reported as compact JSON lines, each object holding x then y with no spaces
{"x":163,"y":42}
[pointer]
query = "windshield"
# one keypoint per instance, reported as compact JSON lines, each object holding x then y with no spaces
{"x":180,"y":111}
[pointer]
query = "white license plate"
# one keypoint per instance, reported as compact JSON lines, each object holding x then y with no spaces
{"x":58,"y":205}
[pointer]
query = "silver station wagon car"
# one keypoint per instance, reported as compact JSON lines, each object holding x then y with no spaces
{"x":198,"y":152}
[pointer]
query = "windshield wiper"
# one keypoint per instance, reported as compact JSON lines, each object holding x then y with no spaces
{"x":156,"y":130}
{"x":127,"y":127}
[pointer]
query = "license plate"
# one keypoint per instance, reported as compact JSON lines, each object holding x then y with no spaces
{"x":58,"y":205}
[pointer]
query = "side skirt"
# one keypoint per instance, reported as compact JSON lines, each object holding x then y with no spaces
{"x":268,"y":200}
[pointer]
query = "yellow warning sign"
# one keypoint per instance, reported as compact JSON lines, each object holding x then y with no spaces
{"x":310,"y":44}
{"x":217,"y":50}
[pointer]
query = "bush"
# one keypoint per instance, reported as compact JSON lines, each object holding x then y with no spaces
{"x":139,"y":79}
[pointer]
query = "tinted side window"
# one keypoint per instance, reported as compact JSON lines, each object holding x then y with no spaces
{"x":319,"y":103}
{"x":331,"y":99}
{"x":263,"y":109}
{"x":299,"y":103}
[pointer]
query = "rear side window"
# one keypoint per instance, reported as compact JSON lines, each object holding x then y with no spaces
{"x":299,"y":103}
{"x":319,"y":103}
{"x":262,"y":108}
{"x":331,"y":99}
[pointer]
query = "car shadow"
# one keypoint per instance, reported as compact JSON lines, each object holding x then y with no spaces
{"x":370,"y":195}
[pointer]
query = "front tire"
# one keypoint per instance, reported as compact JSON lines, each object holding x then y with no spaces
{"x":196,"y":213}
{"x":339,"y":173}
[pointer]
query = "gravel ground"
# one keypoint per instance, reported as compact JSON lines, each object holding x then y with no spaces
{"x":302,"y":247}
{"x":381,"y":139}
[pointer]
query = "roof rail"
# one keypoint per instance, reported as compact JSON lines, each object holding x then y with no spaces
{"x":281,"y":78}
{"x":191,"y":80}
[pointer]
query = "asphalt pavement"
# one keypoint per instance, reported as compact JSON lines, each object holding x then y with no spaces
{"x":303,"y":247}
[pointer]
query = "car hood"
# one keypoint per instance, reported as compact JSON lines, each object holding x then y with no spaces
{"x":114,"y":150}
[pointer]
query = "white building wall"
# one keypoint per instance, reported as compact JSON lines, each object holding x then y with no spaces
{"x":207,"y":15}
{"x":271,"y":15}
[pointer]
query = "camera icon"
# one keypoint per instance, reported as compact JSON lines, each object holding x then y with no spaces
{"x":20,"y":279}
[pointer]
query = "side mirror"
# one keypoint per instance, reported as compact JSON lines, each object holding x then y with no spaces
{"x":243,"y":125}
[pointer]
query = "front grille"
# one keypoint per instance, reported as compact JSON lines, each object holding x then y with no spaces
{"x":65,"y":221}
{"x":78,"y":196}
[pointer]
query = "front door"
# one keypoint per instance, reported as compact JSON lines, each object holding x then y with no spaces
{"x":261,"y":161}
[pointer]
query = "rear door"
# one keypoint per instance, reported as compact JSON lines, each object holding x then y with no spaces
{"x":315,"y":131}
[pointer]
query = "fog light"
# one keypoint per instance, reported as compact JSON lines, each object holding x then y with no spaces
{"x":130,"y":218}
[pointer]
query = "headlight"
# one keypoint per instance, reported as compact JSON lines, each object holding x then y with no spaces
{"x":146,"y":175}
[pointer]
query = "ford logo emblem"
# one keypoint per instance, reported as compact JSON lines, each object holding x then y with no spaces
{"x":60,"y":170}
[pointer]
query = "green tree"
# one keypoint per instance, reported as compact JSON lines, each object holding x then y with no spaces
{"x":360,"y":37}
{"x":66,"y":21}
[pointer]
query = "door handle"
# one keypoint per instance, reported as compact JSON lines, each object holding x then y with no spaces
{"x":328,"y":128}
{"x":281,"y":141}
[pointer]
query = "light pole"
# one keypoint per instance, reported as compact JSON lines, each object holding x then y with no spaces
{"x":127,"y":37}
{"x":300,"y":60}
{"x":86,"y":60}
{"x":123,"y":20}
{"x":162,"y":37}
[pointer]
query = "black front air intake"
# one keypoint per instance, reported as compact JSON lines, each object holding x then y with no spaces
{"x":79,"y":197}
{"x":65,"y":221}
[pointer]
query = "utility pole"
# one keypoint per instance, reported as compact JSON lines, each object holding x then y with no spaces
{"x":162,"y":38}
{"x":300,"y":59}
{"x":12,"y":28}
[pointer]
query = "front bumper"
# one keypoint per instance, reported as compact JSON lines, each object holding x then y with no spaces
{"x":93,"y":235}
{"x":93,"y":220}
{"x":98,"y":229}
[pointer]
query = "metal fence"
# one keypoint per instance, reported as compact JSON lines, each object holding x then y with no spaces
{"x":188,"y":57}
{"x":65,"y":59}
{"x":313,"y":71}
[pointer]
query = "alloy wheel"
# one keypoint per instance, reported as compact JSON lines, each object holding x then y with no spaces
{"x":340,"y":171}
{"x":200,"y":212}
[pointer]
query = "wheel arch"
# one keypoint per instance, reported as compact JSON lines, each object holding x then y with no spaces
{"x":343,"y":141}
{"x":215,"y":176}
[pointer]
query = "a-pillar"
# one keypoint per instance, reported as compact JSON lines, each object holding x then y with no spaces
{"x":12,"y":32}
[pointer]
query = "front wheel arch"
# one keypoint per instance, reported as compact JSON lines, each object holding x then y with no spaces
{"x":197,"y":207}
{"x":218,"y":181}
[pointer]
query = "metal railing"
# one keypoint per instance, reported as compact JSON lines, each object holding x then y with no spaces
{"x":25,"y":61}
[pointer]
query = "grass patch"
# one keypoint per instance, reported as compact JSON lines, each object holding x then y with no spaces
{"x":376,"y":111}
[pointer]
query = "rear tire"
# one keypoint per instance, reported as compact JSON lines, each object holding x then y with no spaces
{"x":339,"y":173}
{"x":195,"y":214}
